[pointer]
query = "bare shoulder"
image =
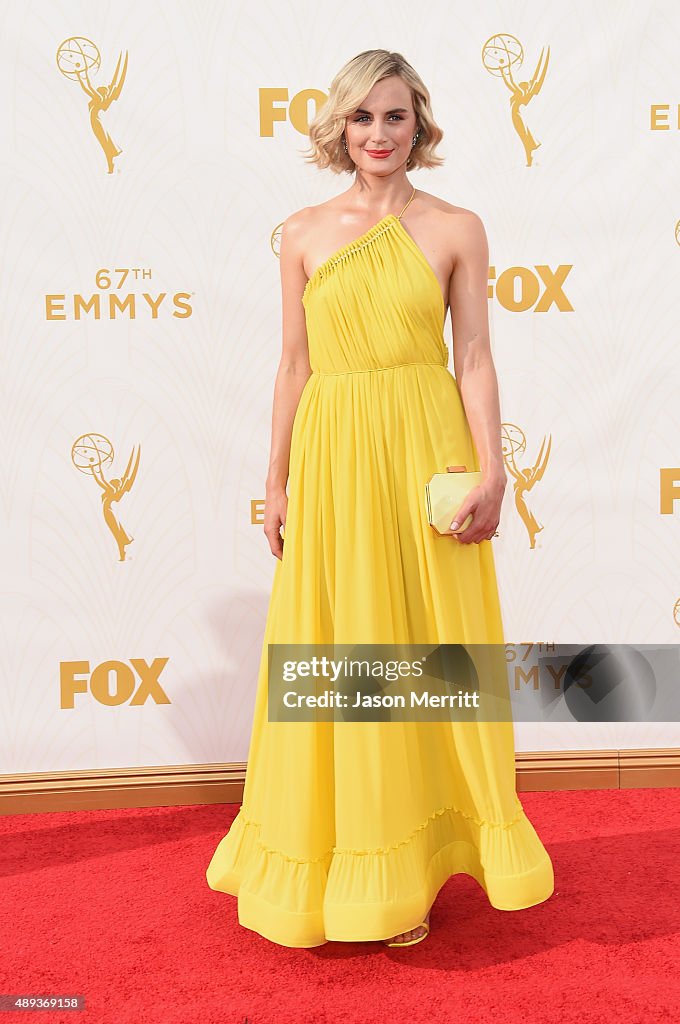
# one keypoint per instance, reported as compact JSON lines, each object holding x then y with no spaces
{"x":300,"y":223}
{"x":300,"y":228}
{"x":294,"y":229}
{"x":458,"y":229}
{"x":441,"y":210}
{"x":305,"y":229}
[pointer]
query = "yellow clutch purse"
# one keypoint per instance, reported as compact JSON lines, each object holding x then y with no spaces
{"x":445,"y":493}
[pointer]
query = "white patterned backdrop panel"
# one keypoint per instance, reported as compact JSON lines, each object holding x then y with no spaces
{"x":150,"y":153}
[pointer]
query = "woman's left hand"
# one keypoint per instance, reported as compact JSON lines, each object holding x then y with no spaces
{"x":484,"y":504}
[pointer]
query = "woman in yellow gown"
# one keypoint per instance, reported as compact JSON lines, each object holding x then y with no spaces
{"x":348,"y":829}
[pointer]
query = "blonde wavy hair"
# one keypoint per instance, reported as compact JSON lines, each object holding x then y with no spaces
{"x":350,"y":86}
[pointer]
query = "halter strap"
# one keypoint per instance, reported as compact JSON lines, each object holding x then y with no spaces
{"x":400,"y":215}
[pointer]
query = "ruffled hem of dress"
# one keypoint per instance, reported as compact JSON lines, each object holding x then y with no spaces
{"x":351,"y":895}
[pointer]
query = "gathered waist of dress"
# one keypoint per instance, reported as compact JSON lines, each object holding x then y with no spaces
{"x":377,"y":369}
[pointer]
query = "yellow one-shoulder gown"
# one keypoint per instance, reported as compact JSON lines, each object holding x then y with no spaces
{"x":348,"y":830}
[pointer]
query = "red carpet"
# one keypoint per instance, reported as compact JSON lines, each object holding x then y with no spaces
{"x":113,"y":905}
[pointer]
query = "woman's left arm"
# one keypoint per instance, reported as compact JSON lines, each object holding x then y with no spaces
{"x":476,"y":376}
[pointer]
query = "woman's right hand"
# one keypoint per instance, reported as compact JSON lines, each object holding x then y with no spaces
{"x":275,"y":509}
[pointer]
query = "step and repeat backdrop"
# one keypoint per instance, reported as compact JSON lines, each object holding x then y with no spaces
{"x":150,"y":154}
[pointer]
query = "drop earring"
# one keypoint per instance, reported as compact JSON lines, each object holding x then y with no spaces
{"x":413,"y":142}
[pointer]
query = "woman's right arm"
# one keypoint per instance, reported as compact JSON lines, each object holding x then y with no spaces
{"x":292,"y":375}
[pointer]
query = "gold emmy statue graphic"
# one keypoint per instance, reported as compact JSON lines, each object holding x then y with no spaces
{"x":90,"y":454}
{"x":275,"y":240}
{"x":76,"y":58}
{"x":514,"y":443}
{"x":499,"y":54}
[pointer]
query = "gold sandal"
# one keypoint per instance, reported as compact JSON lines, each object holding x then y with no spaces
{"x":412,"y":942}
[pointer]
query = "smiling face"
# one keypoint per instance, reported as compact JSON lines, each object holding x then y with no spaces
{"x":380,"y":131}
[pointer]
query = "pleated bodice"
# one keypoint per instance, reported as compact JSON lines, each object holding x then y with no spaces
{"x":375,"y":303}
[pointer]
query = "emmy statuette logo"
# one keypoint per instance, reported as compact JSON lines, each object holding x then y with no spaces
{"x":275,"y":239}
{"x":76,"y":59}
{"x":514,"y":443}
{"x":676,"y":612}
{"x":499,"y":55}
{"x":92,"y":454}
